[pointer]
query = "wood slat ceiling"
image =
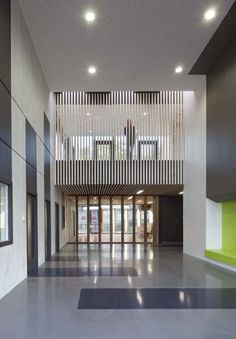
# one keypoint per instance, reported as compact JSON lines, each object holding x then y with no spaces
{"x":108,"y":190}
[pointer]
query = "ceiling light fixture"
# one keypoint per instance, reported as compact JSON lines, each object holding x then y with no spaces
{"x":181,"y":193}
{"x":88,"y":114}
{"x":90,"y":16}
{"x":92,"y":70}
{"x":179,"y":69}
{"x":129,"y":198}
{"x":139,"y":192}
{"x":210,"y":14}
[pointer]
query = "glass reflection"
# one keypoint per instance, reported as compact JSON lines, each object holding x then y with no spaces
{"x":105,"y":219}
{"x":139,"y":219}
{"x":116,"y":219}
{"x":128,"y":219}
{"x":93,"y":220}
{"x":82,"y":219}
{"x":150,"y":216}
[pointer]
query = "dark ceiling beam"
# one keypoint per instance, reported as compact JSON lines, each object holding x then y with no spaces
{"x":224,"y":34}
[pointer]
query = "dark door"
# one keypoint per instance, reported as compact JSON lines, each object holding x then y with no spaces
{"x":32,"y":234}
{"x":171,"y":220}
{"x":57,"y":228}
{"x":47,"y":211}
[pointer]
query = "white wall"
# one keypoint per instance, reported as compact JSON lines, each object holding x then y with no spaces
{"x":195,"y":170}
{"x":31,"y":99}
{"x":213,"y":224}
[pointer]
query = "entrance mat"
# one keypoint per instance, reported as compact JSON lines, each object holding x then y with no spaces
{"x":158,"y":298}
{"x":84,"y":272}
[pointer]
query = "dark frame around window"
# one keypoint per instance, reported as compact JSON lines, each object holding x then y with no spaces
{"x":10,"y":218}
{"x":109,"y":143}
{"x":148,"y":142}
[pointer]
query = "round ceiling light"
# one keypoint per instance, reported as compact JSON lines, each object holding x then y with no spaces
{"x":179,"y":69}
{"x":90,"y":16}
{"x":92,"y":70}
{"x":210,"y":14}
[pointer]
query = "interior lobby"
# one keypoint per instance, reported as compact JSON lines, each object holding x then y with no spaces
{"x":117,"y":169}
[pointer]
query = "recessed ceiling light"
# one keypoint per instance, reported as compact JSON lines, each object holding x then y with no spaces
{"x":90,"y":16}
{"x":145,"y":113}
{"x":92,"y":70}
{"x":210,"y":14}
{"x":88,"y":114}
{"x":179,"y":69}
{"x":139,"y":192}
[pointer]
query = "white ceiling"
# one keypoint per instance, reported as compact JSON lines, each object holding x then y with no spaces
{"x":135,"y":44}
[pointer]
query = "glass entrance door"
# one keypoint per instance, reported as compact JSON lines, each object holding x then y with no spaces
{"x":116,"y":219}
{"x":128,"y":219}
{"x":105,"y":219}
{"x":93,"y":219}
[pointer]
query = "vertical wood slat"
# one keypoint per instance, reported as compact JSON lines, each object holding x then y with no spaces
{"x":164,"y":124}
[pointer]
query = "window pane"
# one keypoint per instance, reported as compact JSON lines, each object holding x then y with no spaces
{"x":128,"y":219}
{"x":93,"y":219}
{"x":105,"y":219}
{"x":139,"y":219}
{"x":116,"y":219}
{"x":82,"y":219}
{"x":150,"y":212}
{"x":4,"y":227}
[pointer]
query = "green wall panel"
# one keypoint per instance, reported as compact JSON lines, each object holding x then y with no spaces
{"x":229,"y":225}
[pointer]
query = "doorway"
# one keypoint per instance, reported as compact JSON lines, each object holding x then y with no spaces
{"x":171,"y":220}
{"x":32,"y":233}
{"x":57,"y":228}
{"x":115,"y":219}
{"x":47,"y":232}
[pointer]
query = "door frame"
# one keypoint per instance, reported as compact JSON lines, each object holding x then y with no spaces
{"x":145,"y":242}
{"x":48,"y":247}
{"x":34,"y":263}
{"x":57,"y":227}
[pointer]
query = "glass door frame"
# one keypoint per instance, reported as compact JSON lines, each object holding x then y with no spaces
{"x":135,"y":197}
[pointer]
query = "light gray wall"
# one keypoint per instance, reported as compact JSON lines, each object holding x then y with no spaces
{"x":194,"y":203}
{"x":30,"y":99}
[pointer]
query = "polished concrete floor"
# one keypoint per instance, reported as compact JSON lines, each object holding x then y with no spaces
{"x":46,"y":306}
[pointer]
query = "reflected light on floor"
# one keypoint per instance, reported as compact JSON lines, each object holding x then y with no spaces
{"x":181,"y":297}
{"x":126,"y":256}
{"x":150,"y":255}
{"x":138,"y":252}
{"x":139,"y":298}
{"x":149,"y":268}
{"x":129,"y":279}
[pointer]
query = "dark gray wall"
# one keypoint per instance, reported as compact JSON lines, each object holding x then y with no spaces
{"x":31,"y":163}
{"x":221,"y":126}
{"x":5,"y":38}
{"x":5,"y":106}
{"x":47,"y":187}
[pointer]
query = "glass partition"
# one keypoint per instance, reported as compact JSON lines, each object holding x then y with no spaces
{"x":105,"y":219}
{"x":82,"y":219}
{"x":116,"y":219}
{"x":150,"y":217}
{"x":128,"y":219}
{"x":139,"y":219}
{"x":93,"y":219}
